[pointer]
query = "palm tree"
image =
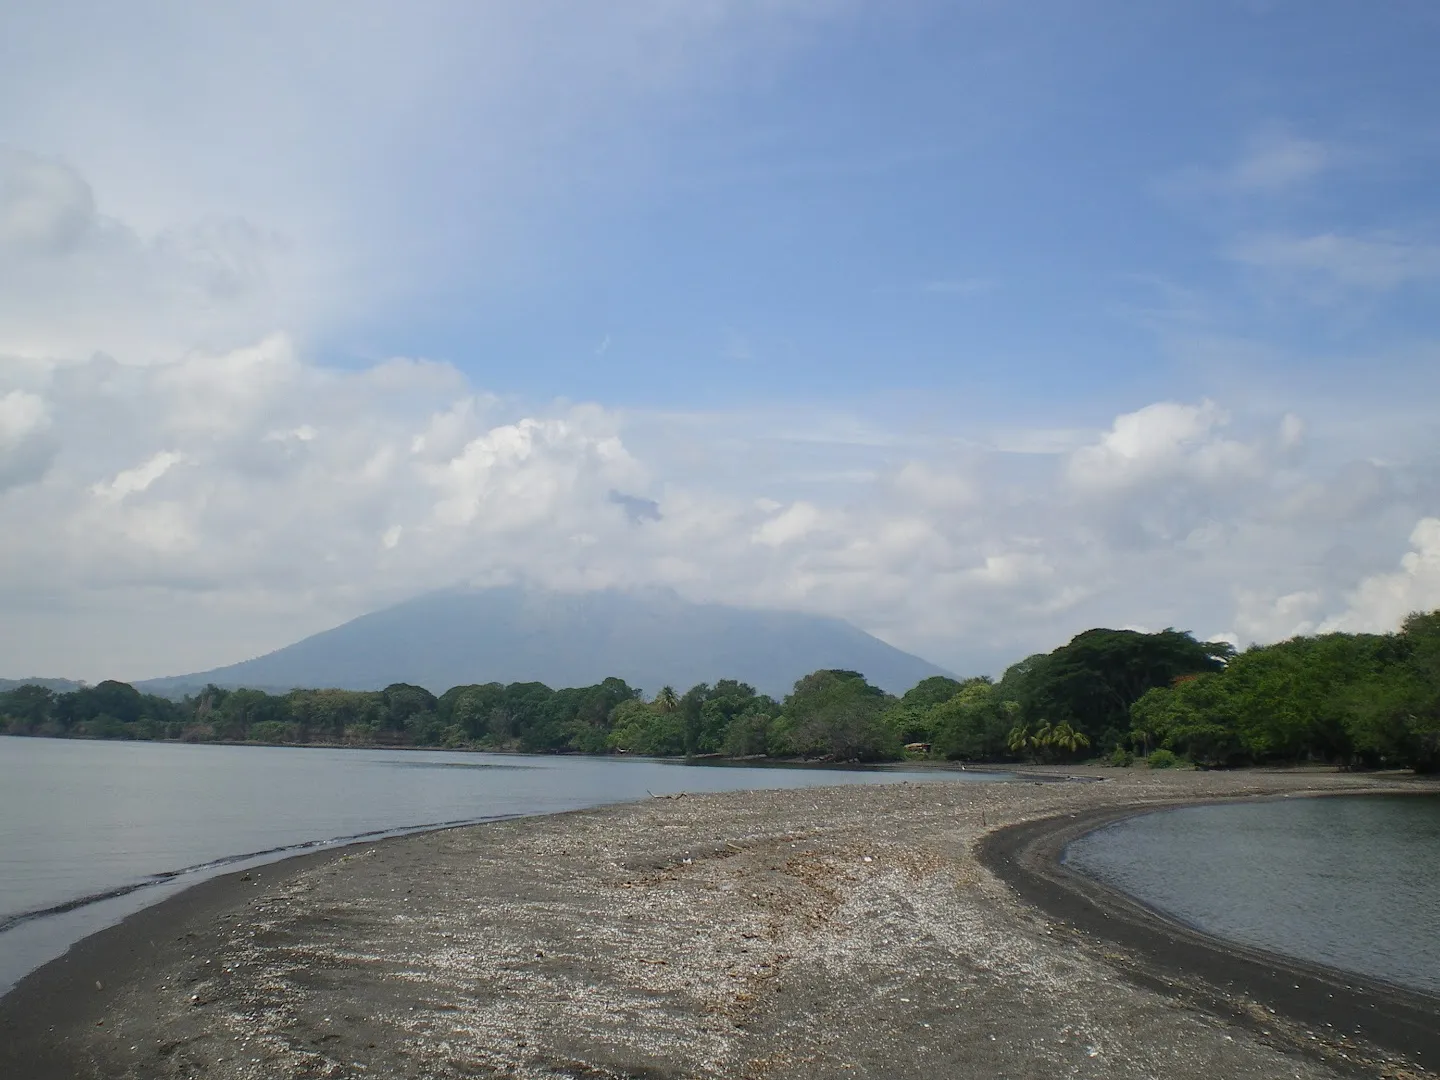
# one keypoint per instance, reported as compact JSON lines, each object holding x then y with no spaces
{"x":666,"y":701}
{"x":1019,"y":740}
{"x":1067,"y":740}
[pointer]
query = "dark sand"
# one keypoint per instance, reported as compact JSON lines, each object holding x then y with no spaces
{"x":845,"y":932}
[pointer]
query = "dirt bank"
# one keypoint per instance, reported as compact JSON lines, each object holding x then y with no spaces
{"x":843,"y":932}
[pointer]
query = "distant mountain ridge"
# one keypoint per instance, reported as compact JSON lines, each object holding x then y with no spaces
{"x":60,"y":686}
{"x":648,"y":637}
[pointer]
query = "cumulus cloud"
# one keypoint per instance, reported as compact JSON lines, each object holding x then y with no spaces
{"x":529,"y":473}
{"x":1381,"y":601}
{"x":1161,"y":443}
{"x":1262,"y":616}
{"x":235,"y":501}
{"x":792,"y":523}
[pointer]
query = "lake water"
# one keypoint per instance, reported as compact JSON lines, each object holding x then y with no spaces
{"x":91,"y":831}
{"x":1351,"y":882}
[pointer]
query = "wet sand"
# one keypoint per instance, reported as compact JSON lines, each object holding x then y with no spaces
{"x":899,"y":931}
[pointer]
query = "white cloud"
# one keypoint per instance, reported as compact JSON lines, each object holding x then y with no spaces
{"x":1381,"y":601}
{"x":132,"y":481}
{"x":1012,"y":567}
{"x":1323,"y":265}
{"x":1278,"y":163}
{"x":74,"y":281}
{"x":1272,"y":163}
{"x":234,"y":502}
{"x":529,"y":473}
{"x":791,"y":524}
{"x":25,"y":449}
{"x":937,"y":484}
{"x":46,"y":209}
{"x":1160,"y":443}
{"x":22,"y":415}
{"x":216,"y":393}
{"x":1262,"y":616}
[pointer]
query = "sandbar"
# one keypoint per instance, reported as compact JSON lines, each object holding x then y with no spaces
{"x":911,"y":930}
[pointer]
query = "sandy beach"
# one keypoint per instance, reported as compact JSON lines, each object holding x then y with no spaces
{"x":896,"y":931}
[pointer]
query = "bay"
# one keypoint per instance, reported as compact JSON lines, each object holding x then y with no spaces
{"x":1351,"y":882}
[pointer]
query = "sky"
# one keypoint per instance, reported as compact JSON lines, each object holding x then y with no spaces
{"x":975,"y":323}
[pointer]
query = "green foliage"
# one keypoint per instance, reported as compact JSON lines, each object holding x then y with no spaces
{"x":1061,"y":739}
{"x":666,"y":700}
{"x":27,"y":708}
{"x":1121,"y":758}
{"x":973,"y":724}
{"x":650,"y":729}
{"x":271,"y":731}
{"x":1091,"y":682}
{"x":403,"y":703}
{"x":936,"y":690}
{"x":1364,"y":699}
{"x":708,"y":712}
{"x":323,"y":715}
{"x":749,"y":734}
{"x":837,"y":715}
{"x":1048,"y":742}
{"x":1187,"y":718}
{"x":1355,"y":699}
{"x":105,"y":726}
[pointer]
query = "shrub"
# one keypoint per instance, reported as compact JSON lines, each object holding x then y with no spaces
{"x":271,"y":732}
{"x":748,"y":734}
{"x":106,"y":726}
{"x":1163,"y":759}
{"x":1121,"y":758}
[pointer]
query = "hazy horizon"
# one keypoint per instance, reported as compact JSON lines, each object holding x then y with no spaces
{"x":974,"y":326}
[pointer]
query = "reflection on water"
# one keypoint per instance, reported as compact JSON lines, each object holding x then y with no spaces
{"x":1352,"y":882}
{"x":122,"y":824}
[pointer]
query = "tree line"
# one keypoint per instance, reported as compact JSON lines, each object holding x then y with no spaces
{"x":1353,"y":699}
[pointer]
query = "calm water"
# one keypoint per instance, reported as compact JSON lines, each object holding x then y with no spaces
{"x":104,"y":828}
{"x":1351,"y":882}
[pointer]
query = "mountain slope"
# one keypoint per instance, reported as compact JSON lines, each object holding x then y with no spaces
{"x":650,"y":638}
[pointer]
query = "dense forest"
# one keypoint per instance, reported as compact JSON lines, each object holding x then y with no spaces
{"x":1368,"y":700}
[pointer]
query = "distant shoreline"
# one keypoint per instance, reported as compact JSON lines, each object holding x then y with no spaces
{"x":759,"y":761}
{"x":706,"y":936}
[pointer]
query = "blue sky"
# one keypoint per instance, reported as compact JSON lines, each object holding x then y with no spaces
{"x":949,"y":198}
{"x":974,"y":323}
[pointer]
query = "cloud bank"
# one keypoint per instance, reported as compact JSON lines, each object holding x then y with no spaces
{"x":232,"y":502}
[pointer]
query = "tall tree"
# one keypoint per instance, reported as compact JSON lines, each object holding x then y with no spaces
{"x":838,"y":714}
{"x":1091,"y":682}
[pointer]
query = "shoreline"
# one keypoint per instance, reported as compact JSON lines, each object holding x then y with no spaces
{"x":827,"y":931}
{"x":752,"y":760}
{"x":32,"y":935}
{"x":1236,"y":980}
